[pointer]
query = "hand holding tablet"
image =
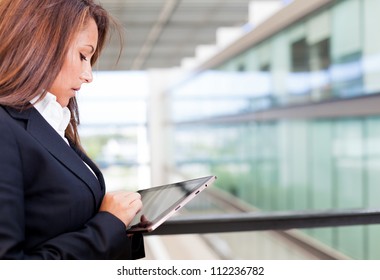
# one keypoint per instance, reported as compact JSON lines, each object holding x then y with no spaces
{"x":162,"y":202}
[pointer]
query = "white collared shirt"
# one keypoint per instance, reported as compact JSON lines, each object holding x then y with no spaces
{"x":53,"y":113}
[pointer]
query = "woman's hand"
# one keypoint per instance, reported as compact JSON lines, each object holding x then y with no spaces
{"x":122,"y":204}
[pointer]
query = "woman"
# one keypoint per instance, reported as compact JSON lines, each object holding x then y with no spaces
{"x":52,"y":196}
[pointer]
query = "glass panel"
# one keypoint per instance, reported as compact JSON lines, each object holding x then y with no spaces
{"x":319,"y":28}
{"x":347,"y":75}
{"x":284,"y":153}
{"x":321,"y":164}
{"x":346,"y":49}
{"x":320,"y":79}
{"x":322,"y":179}
{"x":371,"y":46}
{"x":346,"y":33}
{"x":252,"y":60}
{"x":299,"y":79}
{"x":348,"y":154}
{"x":373,"y":180}
{"x":300,"y":165}
{"x":279,"y":67}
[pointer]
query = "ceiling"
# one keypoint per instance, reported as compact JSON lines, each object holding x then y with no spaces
{"x":160,"y":33}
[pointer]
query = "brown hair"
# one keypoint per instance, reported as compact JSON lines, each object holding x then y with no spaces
{"x":34,"y":39}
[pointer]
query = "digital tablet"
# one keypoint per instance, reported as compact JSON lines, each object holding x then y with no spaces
{"x":162,"y":202}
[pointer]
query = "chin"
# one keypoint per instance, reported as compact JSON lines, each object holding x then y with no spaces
{"x":63,"y":103}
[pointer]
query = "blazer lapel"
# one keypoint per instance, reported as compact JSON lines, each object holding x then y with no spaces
{"x":91,"y":164}
{"x":40,"y":129}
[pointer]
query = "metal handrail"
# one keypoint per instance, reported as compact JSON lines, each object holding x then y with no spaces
{"x":259,"y":221}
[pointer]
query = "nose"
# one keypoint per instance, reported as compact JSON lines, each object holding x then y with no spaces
{"x":86,"y":76}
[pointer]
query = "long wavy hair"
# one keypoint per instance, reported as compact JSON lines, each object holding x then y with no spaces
{"x":35,"y":36}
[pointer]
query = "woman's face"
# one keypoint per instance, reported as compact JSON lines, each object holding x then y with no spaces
{"x":76,"y":68}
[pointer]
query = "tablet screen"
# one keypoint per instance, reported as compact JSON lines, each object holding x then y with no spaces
{"x":161,"y":201}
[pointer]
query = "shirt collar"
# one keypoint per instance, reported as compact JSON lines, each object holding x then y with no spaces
{"x":53,"y":113}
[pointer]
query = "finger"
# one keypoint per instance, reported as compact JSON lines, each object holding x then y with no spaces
{"x":131,"y":197}
{"x":135,"y":206}
{"x":132,"y":210}
{"x":143,"y":218}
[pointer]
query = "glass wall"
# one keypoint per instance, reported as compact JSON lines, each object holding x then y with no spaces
{"x":333,"y":53}
{"x":283,"y":164}
{"x":294,"y":165}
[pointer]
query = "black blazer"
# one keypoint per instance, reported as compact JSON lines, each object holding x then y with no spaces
{"x":49,"y":199}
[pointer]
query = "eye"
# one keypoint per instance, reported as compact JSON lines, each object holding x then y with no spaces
{"x":82,"y":57}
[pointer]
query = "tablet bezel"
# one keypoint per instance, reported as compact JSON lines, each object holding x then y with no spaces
{"x":204,"y":182}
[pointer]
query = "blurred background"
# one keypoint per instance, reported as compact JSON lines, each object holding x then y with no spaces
{"x":278,"y":99}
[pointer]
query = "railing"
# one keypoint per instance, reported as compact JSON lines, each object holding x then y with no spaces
{"x":245,"y":217}
{"x":233,"y":215}
{"x":259,"y":221}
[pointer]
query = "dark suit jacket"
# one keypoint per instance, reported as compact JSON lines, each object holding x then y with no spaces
{"x":49,"y":199}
